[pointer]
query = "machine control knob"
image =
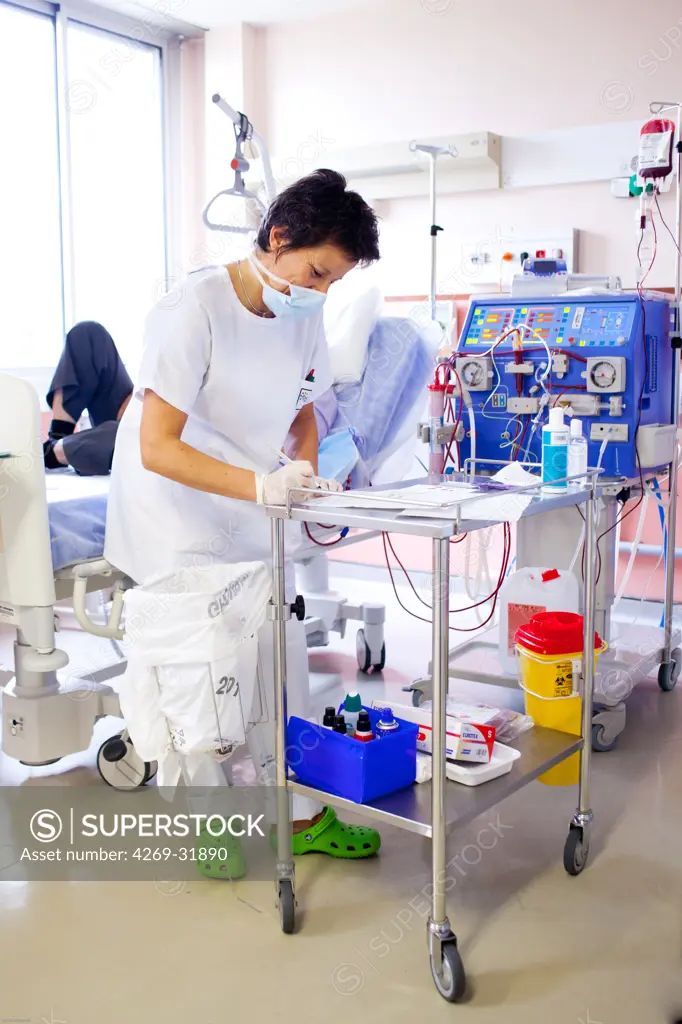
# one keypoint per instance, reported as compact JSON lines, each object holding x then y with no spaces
{"x":298,"y":608}
{"x":620,"y":340}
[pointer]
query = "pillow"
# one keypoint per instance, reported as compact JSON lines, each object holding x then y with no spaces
{"x":351,"y":311}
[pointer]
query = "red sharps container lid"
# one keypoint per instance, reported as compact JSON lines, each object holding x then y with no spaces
{"x":554,"y":633}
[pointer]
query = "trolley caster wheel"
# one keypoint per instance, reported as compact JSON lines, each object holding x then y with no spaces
{"x":120,"y":766}
{"x":287,"y":906}
{"x":449,"y":976}
{"x":668,"y":671}
{"x":417,"y":695}
{"x":364,"y":655}
{"x":599,"y":744}
{"x":576,"y":851}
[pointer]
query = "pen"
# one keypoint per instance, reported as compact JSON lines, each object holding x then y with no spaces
{"x":280,"y":454}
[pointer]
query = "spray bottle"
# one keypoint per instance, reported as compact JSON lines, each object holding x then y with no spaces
{"x":555,"y":452}
{"x":387,"y":724}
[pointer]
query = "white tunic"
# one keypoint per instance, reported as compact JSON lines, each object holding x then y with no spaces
{"x":241,"y":379}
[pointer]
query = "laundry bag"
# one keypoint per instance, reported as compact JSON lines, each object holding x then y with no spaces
{"x":193,"y":660}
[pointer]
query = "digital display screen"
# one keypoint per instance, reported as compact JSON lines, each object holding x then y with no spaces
{"x":544,"y":266}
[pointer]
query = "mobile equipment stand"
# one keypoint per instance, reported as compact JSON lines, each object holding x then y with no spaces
{"x":437,"y":808}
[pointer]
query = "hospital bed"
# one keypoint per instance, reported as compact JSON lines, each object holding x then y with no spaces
{"x":43,"y":560}
{"x":52,"y":539}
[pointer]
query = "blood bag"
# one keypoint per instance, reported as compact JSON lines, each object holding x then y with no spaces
{"x":656,"y":140}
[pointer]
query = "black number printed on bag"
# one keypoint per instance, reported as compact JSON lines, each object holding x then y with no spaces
{"x":226,"y":685}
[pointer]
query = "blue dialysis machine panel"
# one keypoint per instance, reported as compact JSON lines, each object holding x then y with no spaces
{"x":611,"y":358}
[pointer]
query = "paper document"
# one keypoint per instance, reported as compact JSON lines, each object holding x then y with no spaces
{"x":416,"y":497}
{"x":495,"y":507}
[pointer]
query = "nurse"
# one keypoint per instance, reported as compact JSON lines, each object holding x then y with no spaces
{"x":232,"y":363}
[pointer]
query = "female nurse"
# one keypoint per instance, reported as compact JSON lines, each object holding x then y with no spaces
{"x":232,"y":363}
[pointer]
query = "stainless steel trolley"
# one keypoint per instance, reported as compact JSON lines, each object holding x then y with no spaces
{"x":434,"y":809}
{"x":633,"y":649}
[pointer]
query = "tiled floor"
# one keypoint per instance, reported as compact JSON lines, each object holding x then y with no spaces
{"x":539,"y":947}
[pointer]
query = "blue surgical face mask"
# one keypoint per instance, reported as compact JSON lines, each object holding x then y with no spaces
{"x":300,"y":302}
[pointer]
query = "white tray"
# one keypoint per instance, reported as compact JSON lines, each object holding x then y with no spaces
{"x":500,"y":763}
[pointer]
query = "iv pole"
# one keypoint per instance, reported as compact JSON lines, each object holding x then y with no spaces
{"x":671,"y":660}
{"x":433,"y":152}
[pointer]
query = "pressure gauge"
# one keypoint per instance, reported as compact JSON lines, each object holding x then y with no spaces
{"x":474,"y":372}
{"x":605,"y":375}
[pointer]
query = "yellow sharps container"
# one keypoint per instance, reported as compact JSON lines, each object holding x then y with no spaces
{"x":549,"y":651}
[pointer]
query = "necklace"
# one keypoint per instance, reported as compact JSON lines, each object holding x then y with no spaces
{"x":258,"y":312}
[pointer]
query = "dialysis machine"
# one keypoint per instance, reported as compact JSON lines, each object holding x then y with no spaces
{"x":607,"y":359}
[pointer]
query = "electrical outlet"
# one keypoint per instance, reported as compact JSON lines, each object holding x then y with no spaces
{"x":482,"y":254}
{"x":612,"y":431}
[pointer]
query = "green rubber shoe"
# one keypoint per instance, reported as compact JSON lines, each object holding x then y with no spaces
{"x":331,"y":836}
{"x":219,"y":856}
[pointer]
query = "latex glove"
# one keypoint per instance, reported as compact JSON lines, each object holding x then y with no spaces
{"x":272,"y":489}
{"x":327,"y":485}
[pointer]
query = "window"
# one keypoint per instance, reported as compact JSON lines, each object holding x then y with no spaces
{"x":117,"y":199}
{"x":31,"y":316}
{"x":81,"y":181}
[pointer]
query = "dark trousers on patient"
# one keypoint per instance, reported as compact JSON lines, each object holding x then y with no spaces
{"x":91,"y":376}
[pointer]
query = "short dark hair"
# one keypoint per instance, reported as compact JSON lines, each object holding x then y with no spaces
{"x":320,"y":210}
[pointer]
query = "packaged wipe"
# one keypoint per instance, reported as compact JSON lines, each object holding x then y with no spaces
{"x":508,"y":724}
{"x":465,"y":741}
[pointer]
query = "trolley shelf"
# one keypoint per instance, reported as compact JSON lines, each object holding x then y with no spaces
{"x":410,"y":808}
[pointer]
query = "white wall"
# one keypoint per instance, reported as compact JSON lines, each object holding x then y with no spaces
{"x":398,"y":70}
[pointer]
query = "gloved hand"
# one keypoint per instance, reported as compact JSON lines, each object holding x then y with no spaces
{"x":272,"y":489}
{"x":327,"y":485}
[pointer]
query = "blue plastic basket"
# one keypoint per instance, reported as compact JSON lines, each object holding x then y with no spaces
{"x":348,"y":767}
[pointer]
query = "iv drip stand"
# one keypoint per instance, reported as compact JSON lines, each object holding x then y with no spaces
{"x":670,"y":659}
{"x":433,"y":152}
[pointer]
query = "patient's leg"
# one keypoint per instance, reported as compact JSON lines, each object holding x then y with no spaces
{"x":90,"y":452}
{"x":90,"y":375}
